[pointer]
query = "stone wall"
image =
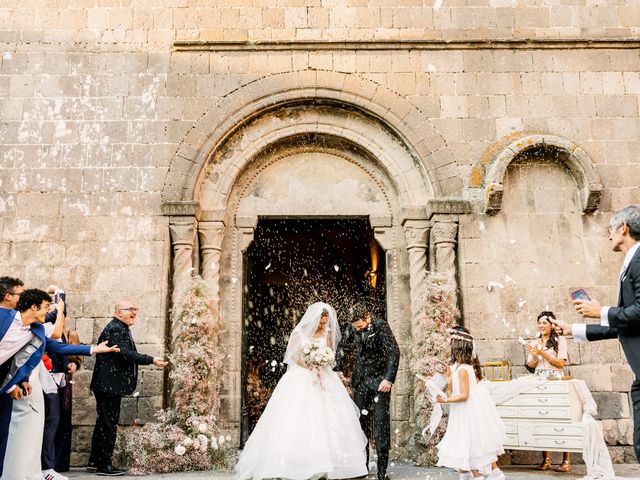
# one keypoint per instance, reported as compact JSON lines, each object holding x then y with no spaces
{"x":95,"y":102}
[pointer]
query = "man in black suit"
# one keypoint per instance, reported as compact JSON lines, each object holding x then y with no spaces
{"x":623,"y":321}
{"x":114,"y":376}
{"x":374,"y":371}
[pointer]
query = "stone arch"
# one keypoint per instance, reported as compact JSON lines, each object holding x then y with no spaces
{"x":354,"y":131}
{"x":394,"y":112}
{"x":574,"y":159}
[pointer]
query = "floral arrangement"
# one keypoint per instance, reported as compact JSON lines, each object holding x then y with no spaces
{"x":430,"y":354}
{"x":186,"y":436}
{"x":315,"y":356}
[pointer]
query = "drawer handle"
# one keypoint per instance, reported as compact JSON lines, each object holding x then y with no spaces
{"x":542,"y":387}
{"x":558,"y":429}
{"x":559,"y":442}
{"x":543,"y":400}
{"x":546,"y":412}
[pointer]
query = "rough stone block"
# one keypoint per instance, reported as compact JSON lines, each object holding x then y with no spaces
{"x":621,"y":378}
{"x":612,"y":405}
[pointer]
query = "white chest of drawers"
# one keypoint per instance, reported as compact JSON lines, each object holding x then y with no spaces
{"x":547,"y":417}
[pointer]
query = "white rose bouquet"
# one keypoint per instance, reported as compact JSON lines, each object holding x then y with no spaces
{"x":316,"y":357}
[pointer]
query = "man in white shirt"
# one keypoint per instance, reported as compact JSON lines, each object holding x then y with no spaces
{"x":623,"y":320}
{"x":12,"y":339}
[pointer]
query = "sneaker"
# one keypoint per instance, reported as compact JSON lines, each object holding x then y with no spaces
{"x":110,"y":471}
{"x":496,"y":474}
{"x":51,"y":474}
{"x":91,"y":467}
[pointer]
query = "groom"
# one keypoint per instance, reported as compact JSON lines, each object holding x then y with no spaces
{"x":374,"y":371}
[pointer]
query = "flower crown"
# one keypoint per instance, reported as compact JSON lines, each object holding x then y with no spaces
{"x":460,"y":335}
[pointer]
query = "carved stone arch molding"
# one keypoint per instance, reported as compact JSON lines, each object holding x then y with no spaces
{"x":394,"y":112}
{"x":575,"y":160}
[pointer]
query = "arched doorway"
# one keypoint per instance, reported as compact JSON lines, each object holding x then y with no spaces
{"x":290,"y":264}
{"x":306,"y":155}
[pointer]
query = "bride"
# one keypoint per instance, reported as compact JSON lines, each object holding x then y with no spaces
{"x":310,"y":426}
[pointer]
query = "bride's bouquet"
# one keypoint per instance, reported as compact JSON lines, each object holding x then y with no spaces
{"x":315,"y":356}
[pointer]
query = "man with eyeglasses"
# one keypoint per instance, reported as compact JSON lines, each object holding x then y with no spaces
{"x":12,"y":339}
{"x":623,"y":320}
{"x":114,"y":376}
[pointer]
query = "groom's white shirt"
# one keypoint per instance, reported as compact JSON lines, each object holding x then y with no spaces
{"x":579,"y":330}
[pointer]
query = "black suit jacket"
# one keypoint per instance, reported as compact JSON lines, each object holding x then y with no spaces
{"x":624,"y":320}
{"x":117,"y":373}
{"x":377,"y":354}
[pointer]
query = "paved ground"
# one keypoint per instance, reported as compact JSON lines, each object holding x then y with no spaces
{"x":404,"y":471}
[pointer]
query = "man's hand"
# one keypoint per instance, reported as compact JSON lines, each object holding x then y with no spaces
{"x":385,"y":386}
{"x":26,"y":388}
{"x":160,"y":362}
{"x":16,"y":393}
{"x":343,"y":379}
{"x":588,"y":308}
{"x":439,"y":399}
{"x":60,"y":305}
{"x":564,"y":327}
{"x":72,"y":368}
{"x":104,"y":348}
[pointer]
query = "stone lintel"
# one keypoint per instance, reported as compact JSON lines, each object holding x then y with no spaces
{"x":413,"y":214}
{"x":181,"y":208}
{"x":448,"y":206}
{"x":381,"y":221}
{"x":246,"y":221}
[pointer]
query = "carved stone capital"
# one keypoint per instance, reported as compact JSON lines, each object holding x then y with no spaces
{"x":384,"y":236}
{"x":183,"y":231}
{"x":416,"y":233}
{"x":444,"y":232}
{"x":211,"y":235}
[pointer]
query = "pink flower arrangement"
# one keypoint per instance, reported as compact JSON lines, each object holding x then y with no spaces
{"x":430,"y":354}
{"x":186,"y":436}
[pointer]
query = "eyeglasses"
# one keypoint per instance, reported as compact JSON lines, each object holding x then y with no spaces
{"x":131,"y":309}
{"x":15,"y":293}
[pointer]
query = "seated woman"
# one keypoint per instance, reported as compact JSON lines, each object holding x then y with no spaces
{"x":549,"y":353}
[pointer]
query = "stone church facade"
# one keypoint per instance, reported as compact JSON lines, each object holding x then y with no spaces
{"x":488,"y":139}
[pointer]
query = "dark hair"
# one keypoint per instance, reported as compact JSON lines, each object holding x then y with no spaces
{"x":359,"y":311}
{"x":553,"y":337}
{"x":325,"y":313}
{"x":7,"y":284}
{"x":462,"y":351}
{"x":32,"y":297}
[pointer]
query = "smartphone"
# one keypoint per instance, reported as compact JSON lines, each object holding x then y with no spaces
{"x":580,"y":294}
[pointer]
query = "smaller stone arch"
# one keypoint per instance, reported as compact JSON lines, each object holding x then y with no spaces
{"x":575,"y":160}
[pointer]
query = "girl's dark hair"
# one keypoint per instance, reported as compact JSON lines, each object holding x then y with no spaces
{"x":325,"y":313}
{"x":462,"y":351}
{"x":553,"y":337}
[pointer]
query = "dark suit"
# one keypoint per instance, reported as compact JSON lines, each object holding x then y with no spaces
{"x":114,"y":375}
{"x":377,"y":358}
{"x":624,"y":324}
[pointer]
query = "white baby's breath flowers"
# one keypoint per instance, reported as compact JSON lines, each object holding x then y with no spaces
{"x":204,"y":442}
{"x":214,"y":443}
{"x":202,"y":427}
{"x":221,"y":440}
{"x":187,"y":442}
{"x":180,"y":450}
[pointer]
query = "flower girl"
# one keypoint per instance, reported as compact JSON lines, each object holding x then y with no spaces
{"x":475,"y":433}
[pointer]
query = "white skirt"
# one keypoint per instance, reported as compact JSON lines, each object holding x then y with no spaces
{"x":475,"y":433}
{"x":306,"y":430}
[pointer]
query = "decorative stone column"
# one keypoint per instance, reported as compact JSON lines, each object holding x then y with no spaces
{"x":182,"y":227}
{"x":211,"y":234}
{"x":417,"y":236}
{"x":444,"y":215}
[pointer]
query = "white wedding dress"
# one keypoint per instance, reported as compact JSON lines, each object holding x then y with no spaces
{"x":306,"y":430}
